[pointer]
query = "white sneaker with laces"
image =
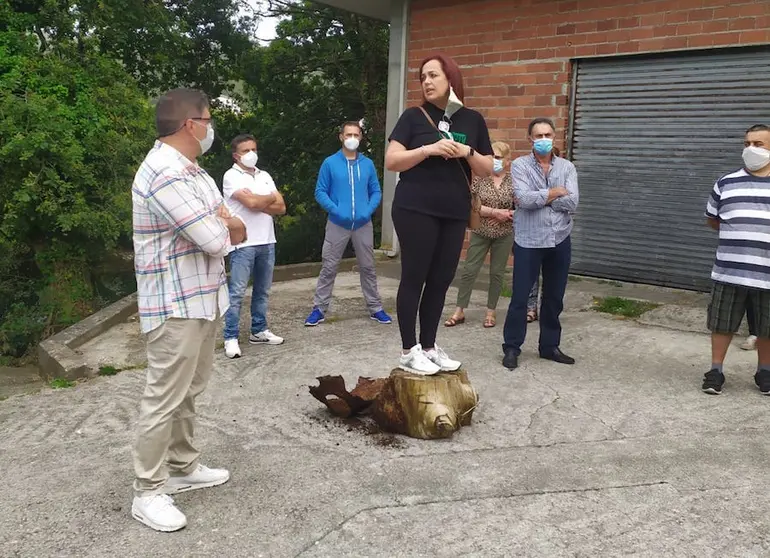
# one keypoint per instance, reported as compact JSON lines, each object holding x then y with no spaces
{"x":416,"y":362}
{"x":266,"y":337}
{"x":750,"y":344}
{"x":438,"y":356}
{"x":158,"y":512}
{"x":232,"y":348}
{"x":202,"y":477}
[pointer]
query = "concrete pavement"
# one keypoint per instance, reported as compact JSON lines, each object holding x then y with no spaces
{"x":620,"y":455}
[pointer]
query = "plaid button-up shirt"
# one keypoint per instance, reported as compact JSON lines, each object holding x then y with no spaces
{"x":535,"y":223}
{"x":179,"y":242}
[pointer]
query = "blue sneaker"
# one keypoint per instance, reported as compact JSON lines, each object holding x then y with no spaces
{"x":381,"y":317}
{"x":315,"y":318}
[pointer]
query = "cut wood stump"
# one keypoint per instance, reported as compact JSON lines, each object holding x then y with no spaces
{"x":424,"y":407}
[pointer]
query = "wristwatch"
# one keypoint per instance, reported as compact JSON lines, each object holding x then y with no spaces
{"x":471,"y":152}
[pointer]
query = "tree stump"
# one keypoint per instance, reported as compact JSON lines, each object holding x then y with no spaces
{"x":424,"y":407}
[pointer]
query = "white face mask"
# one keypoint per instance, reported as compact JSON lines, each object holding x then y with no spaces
{"x":756,"y":158}
{"x":206,"y":142}
{"x":453,"y":104}
{"x":351,"y":144}
{"x":249,"y":160}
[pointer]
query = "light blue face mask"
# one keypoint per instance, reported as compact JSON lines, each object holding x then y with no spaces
{"x":497,"y":167}
{"x":543,"y":146}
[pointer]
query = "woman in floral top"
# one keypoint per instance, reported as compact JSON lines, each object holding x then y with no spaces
{"x":494,"y":236}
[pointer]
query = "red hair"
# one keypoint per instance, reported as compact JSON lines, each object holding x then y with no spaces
{"x":451,"y":70}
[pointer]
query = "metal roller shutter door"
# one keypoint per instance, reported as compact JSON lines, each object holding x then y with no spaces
{"x":650,"y":135}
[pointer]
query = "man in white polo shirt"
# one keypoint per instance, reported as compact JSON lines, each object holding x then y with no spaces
{"x":252,"y":196}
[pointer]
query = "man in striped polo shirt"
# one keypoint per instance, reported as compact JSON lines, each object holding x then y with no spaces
{"x":739,"y":208}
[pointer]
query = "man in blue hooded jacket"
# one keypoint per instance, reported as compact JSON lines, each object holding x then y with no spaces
{"x":348,"y":190}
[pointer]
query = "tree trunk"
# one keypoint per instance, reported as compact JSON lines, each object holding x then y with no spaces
{"x":424,"y":407}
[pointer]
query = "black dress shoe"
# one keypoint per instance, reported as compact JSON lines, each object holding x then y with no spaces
{"x":556,"y":355}
{"x":511,"y":359}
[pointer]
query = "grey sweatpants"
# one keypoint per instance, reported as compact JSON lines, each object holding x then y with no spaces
{"x":335,"y":242}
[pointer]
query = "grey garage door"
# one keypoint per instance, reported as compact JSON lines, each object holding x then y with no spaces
{"x":650,"y":135}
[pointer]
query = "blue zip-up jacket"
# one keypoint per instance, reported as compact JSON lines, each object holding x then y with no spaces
{"x":349,"y":191}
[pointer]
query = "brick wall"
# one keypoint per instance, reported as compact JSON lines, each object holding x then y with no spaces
{"x":516,"y":54}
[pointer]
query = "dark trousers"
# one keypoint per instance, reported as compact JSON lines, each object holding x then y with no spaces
{"x":751,"y":321}
{"x":527,"y":263}
{"x":430,"y":251}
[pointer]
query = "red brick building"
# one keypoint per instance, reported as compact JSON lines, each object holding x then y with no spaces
{"x":651,"y":97}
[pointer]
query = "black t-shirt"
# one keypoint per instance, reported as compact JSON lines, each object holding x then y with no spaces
{"x":437,"y":186}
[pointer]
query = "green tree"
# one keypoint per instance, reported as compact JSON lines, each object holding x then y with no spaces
{"x":71,"y":133}
{"x":326,"y":66}
{"x":161,"y":43}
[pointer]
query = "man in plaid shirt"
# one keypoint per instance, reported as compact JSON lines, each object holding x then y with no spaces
{"x":182,"y":230}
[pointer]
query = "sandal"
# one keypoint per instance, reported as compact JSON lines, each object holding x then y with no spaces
{"x":531,"y":316}
{"x":490,"y":321}
{"x":451,"y":322}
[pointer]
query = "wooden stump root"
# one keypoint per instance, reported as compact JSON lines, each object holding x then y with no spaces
{"x":425,"y":407}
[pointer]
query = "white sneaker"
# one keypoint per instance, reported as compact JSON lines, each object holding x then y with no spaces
{"x":158,"y":512}
{"x":266,"y":337}
{"x":202,"y":477}
{"x":438,"y":356}
{"x":417,"y":362}
{"x":750,"y":344}
{"x":232,"y":348}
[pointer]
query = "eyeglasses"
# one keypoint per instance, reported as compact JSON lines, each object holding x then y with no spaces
{"x":205,"y":121}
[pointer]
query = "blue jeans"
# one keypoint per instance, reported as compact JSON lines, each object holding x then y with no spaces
{"x":256,"y":262}
{"x":527,"y":263}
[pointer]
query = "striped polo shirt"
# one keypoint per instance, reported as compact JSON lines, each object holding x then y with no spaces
{"x":741,"y":202}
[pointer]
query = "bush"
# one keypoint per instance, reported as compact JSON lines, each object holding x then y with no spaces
{"x":73,"y":128}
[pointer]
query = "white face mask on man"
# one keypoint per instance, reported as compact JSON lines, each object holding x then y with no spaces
{"x":249,"y":160}
{"x":206,"y":142}
{"x":756,"y":158}
{"x":351,"y":144}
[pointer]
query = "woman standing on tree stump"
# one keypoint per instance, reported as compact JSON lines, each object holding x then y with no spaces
{"x":435,"y":148}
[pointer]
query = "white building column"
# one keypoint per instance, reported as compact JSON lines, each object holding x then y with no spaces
{"x":397,"y":73}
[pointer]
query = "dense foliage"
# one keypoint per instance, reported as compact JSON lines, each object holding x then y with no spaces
{"x":77,"y":81}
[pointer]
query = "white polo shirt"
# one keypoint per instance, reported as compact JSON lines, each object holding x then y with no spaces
{"x":259,"y":225}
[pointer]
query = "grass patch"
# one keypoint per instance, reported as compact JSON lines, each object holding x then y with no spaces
{"x":7,"y":361}
{"x":506,"y":291}
{"x":108,"y":370}
{"x":625,"y":307}
{"x":610,"y":283}
{"x":61,"y":383}
{"x":574,"y":279}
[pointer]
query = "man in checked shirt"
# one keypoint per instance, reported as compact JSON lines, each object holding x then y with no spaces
{"x":545,"y":190}
{"x":182,"y":230}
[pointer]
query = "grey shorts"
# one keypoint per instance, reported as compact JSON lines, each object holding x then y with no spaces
{"x":729,"y":304}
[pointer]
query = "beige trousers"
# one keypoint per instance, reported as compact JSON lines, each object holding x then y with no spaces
{"x":180,"y":356}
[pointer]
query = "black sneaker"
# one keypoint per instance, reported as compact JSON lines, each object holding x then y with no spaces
{"x":511,"y":359}
{"x":762,"y":379}
{"x":713,"y":382}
